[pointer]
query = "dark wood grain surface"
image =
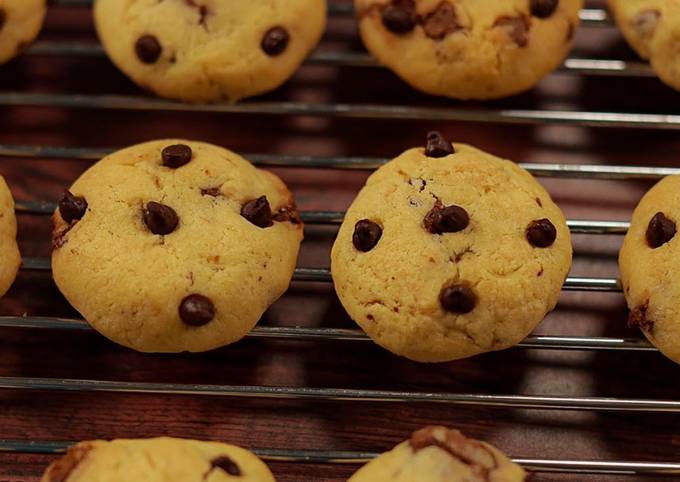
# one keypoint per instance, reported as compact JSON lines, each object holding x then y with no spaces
{"x":360,"y":426}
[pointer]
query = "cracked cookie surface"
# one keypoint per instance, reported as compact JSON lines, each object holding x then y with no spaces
{"x":438,"y":454}
{"x":10,"y":259}
{"x":649,"y":263}
{"x":469,"y":49}
{"x":174,"y":245}
{"x":20,"y":23}
{"x":157,"y":460}
{"x":208,"y":50}
{"x":652,"y":28}
{"x":441,"y":258}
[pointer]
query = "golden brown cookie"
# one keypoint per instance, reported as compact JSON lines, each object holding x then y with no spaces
{"x":437,"y":454}
{"x":175,"y":245}
{"x":207,"y":50}
{"x":157,"y":460}
{"x":447,"y":253}
{"x":469,"y":49}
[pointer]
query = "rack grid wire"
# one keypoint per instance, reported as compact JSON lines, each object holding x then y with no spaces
{"x":592,"y":17}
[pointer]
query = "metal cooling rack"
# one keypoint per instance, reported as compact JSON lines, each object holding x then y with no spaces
{"x":573,"y":66}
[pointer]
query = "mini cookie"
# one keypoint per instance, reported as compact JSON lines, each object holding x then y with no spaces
{"x":20,"y":23}
{"x":437,"y":454}
{"x":469,"y":49}
{"x":652,"y":27}
{"x":10,"y":259}
{"x":206,"y":50}
{"x":445,"y":254}
{"x":157,"y":460}
{"x":649,"y":263}
{"x":175,"y":246}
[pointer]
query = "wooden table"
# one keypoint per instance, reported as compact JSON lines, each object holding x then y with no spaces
{"x":304,"y":424}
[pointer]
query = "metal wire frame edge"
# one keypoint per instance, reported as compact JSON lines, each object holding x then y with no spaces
{"x":572,"y":283}
{"x":299,"y":333}
{"x":576,"y":226}
{"x":353,"y":111}
{"x":578,"y":171}
{"x":541,"y":402}
{"x":354,"y":458}
{"x":334,"y":58}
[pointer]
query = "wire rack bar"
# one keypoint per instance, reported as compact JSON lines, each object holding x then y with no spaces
{"x":577,"y":226}
{"x":353,"y":111}
{"x":334,"y":58}
{"x":340,"y":394}
{"x":341,"y":334}
{"x":578,"y":171}
{"x":324,"y":275}
{"x":355,"y":458}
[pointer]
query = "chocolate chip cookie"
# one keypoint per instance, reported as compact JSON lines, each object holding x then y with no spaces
{"x":10,"y":260}
{"x":173,"y":245}
{"x":20,"y":23}
{"x":648,"y":261}
{"x":469,"y":49}
{"x":157,"y":460}
{"x":437,"y":454}
{"x":651,"y":28}
{"x":448,"y":252}
{"x":208,"y":50}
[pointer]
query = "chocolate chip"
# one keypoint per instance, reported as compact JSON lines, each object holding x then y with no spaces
{"x":517,"y":29}
{"x":543,"y":8}
{"x":196,"y":310}
{"x":646,"y":21}
{"x":148,"y":49}
{"x":72,"y":208}
{"x":541,"y":233}
{"x":159,"y":218}
{"x":660,"y":230}
{"x":458,"y":298}
{"x":366,"y":235}
{"x":3,"y":17}
{"x":449,"y":219}
{"x":225,"y":463}
{"x":275,"y":41}
{"x":441,"y":22}
{"x":400,"y":16}
{"x":176,"y":155}
{"x":437,"y":146}
{"x":258,"y":212}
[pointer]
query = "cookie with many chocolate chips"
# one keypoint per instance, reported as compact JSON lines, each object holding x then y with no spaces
{"x":209,"y":50}
{"x":157,"y":460}
{"x":173,"y":245}
{"x":469,"y":49}
{"x":10,"y":259}
{"x":651,"y":28}
{"x":438,"y":454}
{"x":442,"y":257}
{"x":649,"y":262}
{"x":20,"y":23}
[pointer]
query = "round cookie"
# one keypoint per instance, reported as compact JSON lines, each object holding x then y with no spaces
{"x":10,"y":259}
{"x":157,"y":460}
{"x":20,"y":23}
{"x":174,"y":245}
{"x":437,"y":454}
{"x":444,"y":255}
{"x":652,"y":28}
{"x":207,"y":50}
{"x":469,"y":49}
{"x":648,"y":262}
